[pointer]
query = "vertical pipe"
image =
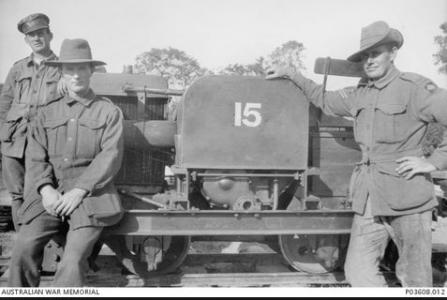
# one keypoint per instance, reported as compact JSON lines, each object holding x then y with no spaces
{"x":275,"y":194}
{"x":178,"y":184}
{"x":186,"y":189}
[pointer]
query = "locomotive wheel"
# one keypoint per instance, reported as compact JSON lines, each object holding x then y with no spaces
{"x":169,"y":260}
{"x":315,"y":254}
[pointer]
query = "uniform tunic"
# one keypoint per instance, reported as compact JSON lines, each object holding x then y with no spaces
{"x":76,"y":144}
{"x":390,"y":121}
{"x":27,"y":87}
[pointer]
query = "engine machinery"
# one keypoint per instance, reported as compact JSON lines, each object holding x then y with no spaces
{"x":251,"y":160}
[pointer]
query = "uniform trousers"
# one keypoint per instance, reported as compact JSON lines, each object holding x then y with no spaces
{"x":13,"y":171}
{"x":369,"y":238}
{"x":27,"y":253}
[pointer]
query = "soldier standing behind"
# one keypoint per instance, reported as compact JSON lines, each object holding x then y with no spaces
{"x":75,"y":150}
{"x":391,"y":189}
{"x":29,"y":85}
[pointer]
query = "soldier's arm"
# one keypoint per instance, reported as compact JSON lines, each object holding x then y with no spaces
{"x":107,"y":162}
{"x":339,"y":103}
{"x":433,"y":108}
{"x":7,"y":95}
{"x":39,"y":168}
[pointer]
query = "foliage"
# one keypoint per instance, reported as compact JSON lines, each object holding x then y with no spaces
{"x":441,"y":55}
{"x":255,"y":69}
{"x":288,"y":54}
{"x":179,"y":68}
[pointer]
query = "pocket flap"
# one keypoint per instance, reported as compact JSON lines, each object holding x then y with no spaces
{"x":392,"y":108}
{"x":92,"y":124}
{"x":52,"y":81}
{"x":103,"y":206}
{"x":388,"y":168}
{"x":357,"y":108}
{"x":24,"y":76}
{"x":17,"y":111}
{"x":13,"y":116}
{"x":54,"y":123}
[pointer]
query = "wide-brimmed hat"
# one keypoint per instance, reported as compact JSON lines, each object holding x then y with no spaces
{"x":376,"y":34}
{"x":75,"y":51}
{"x":33,"y":22}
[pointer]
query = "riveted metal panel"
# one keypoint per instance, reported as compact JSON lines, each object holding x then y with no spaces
{"x":143,"y":222}
{"x":243,"y":122}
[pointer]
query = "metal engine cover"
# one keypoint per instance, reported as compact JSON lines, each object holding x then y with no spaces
{"x":243,"y":122}
{"x":240,"y":192}
{"x":226,"y":191}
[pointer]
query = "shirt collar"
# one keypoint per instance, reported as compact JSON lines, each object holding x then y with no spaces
{"x":86,"y":100}
{"x":30,"y":60}
{"x":385,"y":80}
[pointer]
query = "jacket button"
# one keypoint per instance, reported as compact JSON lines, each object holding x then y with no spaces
{"x":72,"y":120}
{"x":65,"y":159}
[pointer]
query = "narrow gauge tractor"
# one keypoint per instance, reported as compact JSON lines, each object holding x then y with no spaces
{"x":250,"y":161}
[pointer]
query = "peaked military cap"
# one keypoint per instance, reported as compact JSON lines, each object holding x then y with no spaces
{"x":376,"y":34}
{"x":33,"y":22}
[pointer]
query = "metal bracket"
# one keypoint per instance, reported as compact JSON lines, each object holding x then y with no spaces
{"x":141,"y":106}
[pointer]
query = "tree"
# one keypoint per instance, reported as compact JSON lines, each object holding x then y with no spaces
{"x":441,"y":55}
{"x":179,"y":68}
{"x":255,"y":69}
{"x":289,"y":54}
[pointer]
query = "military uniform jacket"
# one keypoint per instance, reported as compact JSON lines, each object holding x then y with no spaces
{"x":76,"y":144}
{"x":390,"y":121}
{"x":27,"y":88}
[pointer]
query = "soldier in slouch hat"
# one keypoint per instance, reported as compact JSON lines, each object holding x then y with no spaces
{"x":391,"y":190}
{"x":75,"y":150}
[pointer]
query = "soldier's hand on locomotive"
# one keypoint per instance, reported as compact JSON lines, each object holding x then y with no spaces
{"x":50,"y":198}
{"x":280,"y":71}
{"x":69,"y":201}
{"x":412,"y":165}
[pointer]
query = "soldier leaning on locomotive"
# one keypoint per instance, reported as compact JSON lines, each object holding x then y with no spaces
{"x":45,"y":127}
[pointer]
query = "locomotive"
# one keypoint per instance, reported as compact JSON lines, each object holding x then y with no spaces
{"x":250,"y":160}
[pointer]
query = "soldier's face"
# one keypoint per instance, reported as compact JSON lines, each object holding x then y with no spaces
{"x":377,"y":61}
{"x":39,"y":40}
{"x":77,"y":77}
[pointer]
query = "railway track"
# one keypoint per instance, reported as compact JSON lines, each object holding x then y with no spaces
{"x":210,"y":270}
{"x":253,"y":269}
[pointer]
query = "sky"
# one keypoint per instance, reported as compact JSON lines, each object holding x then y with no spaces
{"x":221,"y":32}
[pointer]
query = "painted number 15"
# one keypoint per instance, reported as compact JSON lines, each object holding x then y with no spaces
{"x":247,"y":114}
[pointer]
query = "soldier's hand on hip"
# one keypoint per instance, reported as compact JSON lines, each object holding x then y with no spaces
{"x":412,"y":165}
{"x":70,"y":201}
{"x":50,"y":198}
{"x":280,"y":71}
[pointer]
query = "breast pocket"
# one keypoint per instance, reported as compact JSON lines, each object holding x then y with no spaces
{"x":51,"y":92}
{"x":56,"y":131}
{"x":13,"y":118}
{"x":360,"y":123}
{"x":89,"y":137}
{"x":22,"y":88}
{"x":392,"y":122}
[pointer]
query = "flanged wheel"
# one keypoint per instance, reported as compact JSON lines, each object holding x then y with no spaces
{"x":315,"y":254}
{"x":160,"y":255}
